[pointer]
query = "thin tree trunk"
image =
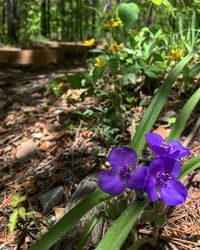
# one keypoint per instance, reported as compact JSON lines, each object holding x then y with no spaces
{"x":72,"y":21}
{"x":62,"y":13}
{"x":49,"y":18}
{"x":43,"y":18}
{"x":12,"y":35}
{"x":80,"y":21}
{"x":94,"y":18}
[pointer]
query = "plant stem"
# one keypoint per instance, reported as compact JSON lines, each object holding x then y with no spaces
{"x":155,"y":236}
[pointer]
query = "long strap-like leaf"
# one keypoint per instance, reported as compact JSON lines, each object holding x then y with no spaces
{"x":191,"y":165}
{"x":70,"y":219}
{"x":119,"y":231}
{"x":156,"y":105}
{"x":184,"y":115}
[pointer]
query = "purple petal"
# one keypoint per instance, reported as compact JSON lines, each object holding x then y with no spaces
{"x":154,"y":139}
{"x":157,"y":166}
{"x":150,"y":189}
{"x":138,"y":179}
{"x":165,"y":165}
{"x":159,"y":150}
{"x":173,"y":193}
{"x":172,"y":167}
{"x":178,"y":150}
{"x":120,"y":157}
{"x":110,"y":182}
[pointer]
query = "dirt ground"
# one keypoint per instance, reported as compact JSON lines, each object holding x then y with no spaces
{"x":43,"y":145}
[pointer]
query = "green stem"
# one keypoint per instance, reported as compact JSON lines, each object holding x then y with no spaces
{"x":155,"y":236}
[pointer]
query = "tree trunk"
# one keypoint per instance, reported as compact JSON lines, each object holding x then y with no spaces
{"x":43,"y":18}
{"x":12,"y":35}
{"x":49,"y":18}
{"x":63,"y":24}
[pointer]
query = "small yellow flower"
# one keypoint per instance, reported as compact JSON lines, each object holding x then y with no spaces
{"x":100,"y":62}
{"x":58,"y":86}
{"x":112,"y":23}
{"x":89,"y":43}
{"x":116,"y":47}
{"x":175,"y":54}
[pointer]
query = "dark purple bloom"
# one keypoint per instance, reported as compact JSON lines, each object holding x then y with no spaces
{"x":122,"y":161}
{"x":163,"y":183}
{"x":172,"y":149}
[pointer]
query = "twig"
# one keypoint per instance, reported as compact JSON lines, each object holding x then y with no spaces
{"x":192,"y":133}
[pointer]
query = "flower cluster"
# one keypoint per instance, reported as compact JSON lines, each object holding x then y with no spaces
{"x":158,"y":180}
{"x":175,"y":54}
{"x":100,"y":63}
{"x":112,"y":23}
{"x":115,"y":47}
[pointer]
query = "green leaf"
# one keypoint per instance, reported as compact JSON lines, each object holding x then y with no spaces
{"x":113,"y":65}
{"x":15,"y":200}
{"x":156,"y":105}
{"x":195,"y":69}
{"x":22,"y":213}
{"x":97,"y":73}
{"x":87,"y":232}
{"x":118,"y":232}
{"x":184,"y":115}
{"x":13,"y":220}
{"x":171,"y":120}
{"x":22,"y":198}
{"x":128,"y":14}
{"x":169,"y":7}
{"x":157,"y":2}
{"x":191,"y":165}
{"x":69,"y":220}
{"x":75,"y":81}
{"x":138,"y":243}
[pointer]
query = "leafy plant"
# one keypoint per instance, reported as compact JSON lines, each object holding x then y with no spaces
{"x":123,"y":173}
{"x":19,"y":212}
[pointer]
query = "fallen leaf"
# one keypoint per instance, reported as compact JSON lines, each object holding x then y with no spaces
{"x":44,"y":146}
{"x":164,"y":132}
{"x":59,"y":212}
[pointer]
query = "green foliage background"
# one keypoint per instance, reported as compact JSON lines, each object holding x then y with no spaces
{"x":78,"y":20}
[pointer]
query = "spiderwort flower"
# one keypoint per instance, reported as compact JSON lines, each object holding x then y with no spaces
{"x":163,"y":183}
{"x":122,"y":161}
{"x":172,"y":149}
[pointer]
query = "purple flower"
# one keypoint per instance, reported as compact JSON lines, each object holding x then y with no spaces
{"x":172,"y":149}
{"x":163,"y":183}
{"x":122,"y":161}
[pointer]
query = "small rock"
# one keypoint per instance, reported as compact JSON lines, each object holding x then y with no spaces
{"x":86,"y":186}
{"x":26,"y":150}
{"x":50,"y":199}
{"x":8,"y":148}
{"x":38,"y":135}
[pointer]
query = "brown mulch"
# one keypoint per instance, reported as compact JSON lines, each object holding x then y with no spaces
{"x":64,"y":151}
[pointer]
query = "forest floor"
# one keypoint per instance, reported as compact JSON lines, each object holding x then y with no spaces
{"x":45,"y":145}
